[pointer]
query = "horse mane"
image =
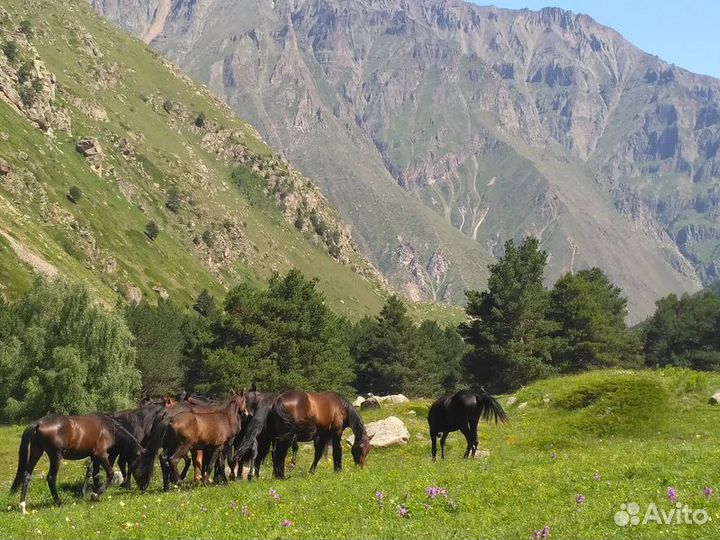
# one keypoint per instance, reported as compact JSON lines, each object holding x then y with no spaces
{"x":126,"y":440}
{"x":255,"y":427}
{"x":354,"y":421}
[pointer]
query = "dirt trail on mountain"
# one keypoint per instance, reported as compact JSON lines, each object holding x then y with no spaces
{"x":36,"y":262}
{"x":158,"y":23}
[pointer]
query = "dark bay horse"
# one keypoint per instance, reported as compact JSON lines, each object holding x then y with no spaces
{"x":76,"y":437}
{"x":462,"y":411}
{"x":317,"y":417}
{"x":208,"y":430}
{"x":253,"y":443}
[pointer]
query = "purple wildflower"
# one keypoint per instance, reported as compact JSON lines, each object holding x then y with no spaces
{"x":287,"y":523}
{"x":403,"y":511}
{"x":379,"y":497}
{"x":543,"y":533}
{"x":708,"y":491}
{"x":580,"y":499}
{"x":672,"y":495}
{"x":275,"y":495}
{"x":433,"y":492}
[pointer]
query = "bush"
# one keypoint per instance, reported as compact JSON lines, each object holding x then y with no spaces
{"x":152,"y":230}
{"x":26,"y":28}
{"x":74,"y":194}
{"x":168,"y":105}
{"x":10,"y":48}
{"x":174,"y":201}
{"x":24,"y":72}
{"x":200,"y":120}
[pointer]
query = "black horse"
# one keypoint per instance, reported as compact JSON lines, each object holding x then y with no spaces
{"x":462,"y":411}
{"x":253,"y":443}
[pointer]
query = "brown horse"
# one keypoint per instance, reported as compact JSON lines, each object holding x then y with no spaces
{"x":208,"y":430}
{"x":317,"y":417}
{"x":76,"y":437}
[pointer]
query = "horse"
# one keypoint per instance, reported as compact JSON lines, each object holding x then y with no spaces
{"x":210,"y":430}
{"x":462,"y":411}
{"x":61,"y":437}
{"x":318,"y":417}
{"x":138,"y":422}
{"x":253,"y":442}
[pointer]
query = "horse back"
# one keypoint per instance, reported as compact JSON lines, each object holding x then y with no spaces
{"x":77,"y":436}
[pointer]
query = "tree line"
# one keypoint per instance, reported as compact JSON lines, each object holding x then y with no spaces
{"x":60,"y":352}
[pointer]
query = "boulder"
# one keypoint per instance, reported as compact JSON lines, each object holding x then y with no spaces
{"x":92,"y":152}
{"x":390,"y":431}
{"x":394,"y":399}
{"x":4,"y":167}
{"x":162,"y":292}
{"x":133,"y":295}
{"x":715,"y":398}
{"x":358,"y":401}
{"x":370,"y":403}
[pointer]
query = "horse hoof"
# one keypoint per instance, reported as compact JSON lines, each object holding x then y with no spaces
{"x":94,"y":496}
{"x":23,"y":508}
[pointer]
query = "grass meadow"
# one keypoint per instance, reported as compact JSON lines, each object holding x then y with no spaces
{"x":613,"y":437}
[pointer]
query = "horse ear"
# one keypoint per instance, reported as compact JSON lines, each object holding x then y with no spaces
{"x":370,"y":437}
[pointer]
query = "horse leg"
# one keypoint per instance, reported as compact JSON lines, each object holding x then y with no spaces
{"x":124,"y":467}
{"x":214,"y":456}
{"x":173,"y":460}
{"x":433,"y":445}
{"x":109,"y":473}
{"x":36,"y":452}
{"x":468,"y":438}
{"x":320,"y":443}
{"x":474,"y":432}
{"x":198,"y":459}
{"x":184,"y":472}
{"x":55,"y":458}
{"x":442,"y":444}
{"x":295,"y":450}
{"x":261,"y":448}
{"x":165,"y":469}
{"x":279,"y":455}
{"x":86,"y":482}
{"x":337,"y":452}
{"x":95,"y":475}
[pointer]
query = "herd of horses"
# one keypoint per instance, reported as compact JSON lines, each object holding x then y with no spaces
{"x":214,"y":436}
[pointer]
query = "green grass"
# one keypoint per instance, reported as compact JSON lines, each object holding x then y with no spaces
{"x":523,"y":485}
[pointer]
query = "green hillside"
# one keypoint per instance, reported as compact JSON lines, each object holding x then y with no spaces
{"x":71,"y":76}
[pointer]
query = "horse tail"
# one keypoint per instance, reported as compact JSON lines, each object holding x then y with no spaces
{"x":155,"y":441}
{"x":23,"y":455}
{"x":255,"y":427}
{"x":490,"y":408}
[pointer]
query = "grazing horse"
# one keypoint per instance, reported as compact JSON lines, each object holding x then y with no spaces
{"x":210,"y":430}
{"x":138,"y":422}
{"x":76,"y":437}
{"x":462,"y":411}
{"x":253,"y":443}
{"x":317,"y":417}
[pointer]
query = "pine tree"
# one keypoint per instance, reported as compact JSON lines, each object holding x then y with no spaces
{"x":508,"y":329}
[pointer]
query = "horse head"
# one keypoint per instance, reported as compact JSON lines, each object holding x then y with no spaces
{"x":238,"y":401}
{"x":361,"y":448}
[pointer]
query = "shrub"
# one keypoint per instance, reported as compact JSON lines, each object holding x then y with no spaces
{"x":26,"y":28}
{"x":74,"y":194}
{"x":10,"y":48}
{"x":24,"y":72}
{"x":152,"y":230}
{"x":168,"y":105}
{"x":200,"y":120}
{"x":173,"y":202}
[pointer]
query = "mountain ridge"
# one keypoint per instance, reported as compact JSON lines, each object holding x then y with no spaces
{"x":502,"y":123}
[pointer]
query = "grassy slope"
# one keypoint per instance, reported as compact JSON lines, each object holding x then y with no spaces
{"x":171,"y":155}
{"x":519,"y":488}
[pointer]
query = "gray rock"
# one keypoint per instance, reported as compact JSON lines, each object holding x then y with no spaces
{"x":394,"y":399}
{"x":133,"y":295}
{"x":358,"y":401}
{"x":370,"y":403}
{"x":715,"y":398}
{"x":390,"y":431}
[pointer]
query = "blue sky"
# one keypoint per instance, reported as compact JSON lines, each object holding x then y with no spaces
{"x":684,"y":32}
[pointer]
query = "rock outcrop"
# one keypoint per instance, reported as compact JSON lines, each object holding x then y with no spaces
{"x":390,"y":431}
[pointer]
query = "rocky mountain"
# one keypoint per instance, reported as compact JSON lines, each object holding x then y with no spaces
{"x":440,"y":129}
{"x":100,"y":136}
